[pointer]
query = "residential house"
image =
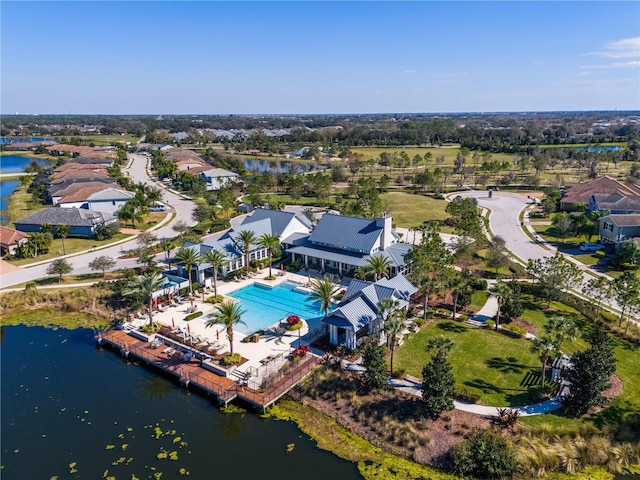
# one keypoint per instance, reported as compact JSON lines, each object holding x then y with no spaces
{"x":342,"y":244}
{"x":81,"y":222}
{"x":10,"y":239}
{"x":287,"y":226}
{"x":616,"y":228}
{"x":73,"y":150}
{"x":602,"y":193}
{"x":103,"y":198}
{"x":93,"y":159}
{"x":218,"y":177}
{"x":358,"y":315}
{"x":73,"y":170}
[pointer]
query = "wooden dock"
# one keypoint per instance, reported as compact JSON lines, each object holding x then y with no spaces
{"x":190,"y":372}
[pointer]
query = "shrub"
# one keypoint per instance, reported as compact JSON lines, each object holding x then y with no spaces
{"x":478,"y":284}
{"x":293,"y":323}
{"x":300,"y":352}
{"x":193,"y":315}
{"x":419,"y":321}
{"x":399,"y":373}
{"x":232,"y":359}
{"x":438,"y":196}
{"x":489,"y":324}
{"x":515,"y":329}
{"x":215,"y":299}
{"x":485,"y":455}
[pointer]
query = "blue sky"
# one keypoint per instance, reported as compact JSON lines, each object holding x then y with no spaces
{"x":318,"y":57}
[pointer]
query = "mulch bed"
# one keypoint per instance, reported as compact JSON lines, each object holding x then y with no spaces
{"x":528,"y":326}
{"x":392,"y":420}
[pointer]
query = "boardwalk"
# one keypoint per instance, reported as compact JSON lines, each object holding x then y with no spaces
{"x":190,"y":372}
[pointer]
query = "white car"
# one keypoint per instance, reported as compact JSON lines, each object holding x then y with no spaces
{"x":591,"y":247}
{"x":157,"y":208}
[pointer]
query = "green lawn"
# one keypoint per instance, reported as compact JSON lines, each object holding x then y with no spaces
{"x":72,"y":245}
{"x":502,"y":367}
{"x":410,"y":210}
{"x":478,"y":299}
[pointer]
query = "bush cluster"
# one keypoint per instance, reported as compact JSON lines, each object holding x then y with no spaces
{"x":193,"y":315}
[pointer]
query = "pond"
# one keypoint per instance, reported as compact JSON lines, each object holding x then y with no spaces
{"x":277,"y":166}
{"x":85,"y":412}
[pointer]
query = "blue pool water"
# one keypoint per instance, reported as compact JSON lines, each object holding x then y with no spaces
{"x":266,"y":306}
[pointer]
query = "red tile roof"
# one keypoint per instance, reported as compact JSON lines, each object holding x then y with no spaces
{"x":9,"y":236}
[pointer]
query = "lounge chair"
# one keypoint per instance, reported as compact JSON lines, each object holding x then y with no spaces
{"x":167,"y":350}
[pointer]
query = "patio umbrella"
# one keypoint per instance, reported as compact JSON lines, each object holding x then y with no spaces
{"x":191,"y":300}
{"x":189,"y":331}
{"x":173,"y":323}
{"x":169,"y":297}
{"x":217,"y":334}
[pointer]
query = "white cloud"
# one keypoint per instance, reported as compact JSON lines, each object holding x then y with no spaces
{"x":631,"y":64}
{"x":409,"y":72}
{"x":625,"y":48}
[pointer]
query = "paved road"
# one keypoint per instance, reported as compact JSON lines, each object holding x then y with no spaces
{"x":138,"y":173}
{"x":505,"y":210}
{"x":504,"y":222}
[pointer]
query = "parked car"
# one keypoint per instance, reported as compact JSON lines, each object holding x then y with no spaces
{"x":604,"y":261}
{"x":590,"y":247}
{"x":157,"y":208}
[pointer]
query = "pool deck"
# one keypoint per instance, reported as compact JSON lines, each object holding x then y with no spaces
{"x":264,"y":358}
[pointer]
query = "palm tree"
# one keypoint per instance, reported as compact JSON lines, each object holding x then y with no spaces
{"x":557,"y":330}
{"x":458,"y":285}
{"x":378,"y":265}
{"x":501,"y":291}
{"x":216,"y":258}
{"x":189,"y":257}
{"x":386,"y":308}
{"x":129,"y":212}
{"x":269,"y":241}
{"x":228,"y":314}
{"x":247,"y":237}
{"x":167,"y":245}
{"x":145,"y":285}
{"x":393,"y":327}
{"x":323,"y":289}
{"x":62,"y":231}
{"x":440,"y":345}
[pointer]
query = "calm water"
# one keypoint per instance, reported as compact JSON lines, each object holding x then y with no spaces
{"x":68,"y":406}
{"x":266,"y":306}
{"x":16,"y":163}
{"x":6,"y":189}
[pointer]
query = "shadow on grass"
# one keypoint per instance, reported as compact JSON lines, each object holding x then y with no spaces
{"x":483,"y":385}
{"x":452,"y":327}
{"x":506,"y":365}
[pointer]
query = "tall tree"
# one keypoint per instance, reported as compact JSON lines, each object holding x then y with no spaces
{"x":247,"y":237}
{"x":216,"y":258}
{"x":590,"y":374}
{"x":62,"y":231}
{"x":557,"y":329}
{"x":430,"y":263}
{"x":102,"y":263}
{"x":375,"y":375}
{"x":190,"y":257}
{"x":393,"y":328}
{"x":145,"y":286}
{"x":228,"y":314}
{"x":502,"y":292}
{"x":554,"y":275}
{"x":438,"y":382}
{"x":598,"y":289}
{"x":323,"y":290}
{"x":627,"y":292}
{"x":270,"y":241}
{"x":59,"y":267}
{"x":497,"y":256}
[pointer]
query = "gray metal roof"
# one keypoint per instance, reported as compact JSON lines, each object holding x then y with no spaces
{"x":259,"y":228}
{"x":279,"y":220}
{"x":396,"y":253}
{"x":295,"y":239}
{"x":219,"y":172}
{"x":400,"y":284}
{"x":111,"y":194}
{"x":74,"y":217}
{"x":349,"y":233}
{"x":356,"y":314}
{"x":354,"y":288}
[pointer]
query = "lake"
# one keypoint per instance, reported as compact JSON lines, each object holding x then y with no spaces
{"x":16,"y":163}
{"x":278,"y":166}
{"x":6,"y":189}
{"x":72,"y":410}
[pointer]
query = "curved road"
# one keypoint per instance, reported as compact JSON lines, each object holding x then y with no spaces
{"x":504,"y":222}
{"x":138,"y":173}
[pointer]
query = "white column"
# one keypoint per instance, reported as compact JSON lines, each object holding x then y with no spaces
{"x":333,"y":335}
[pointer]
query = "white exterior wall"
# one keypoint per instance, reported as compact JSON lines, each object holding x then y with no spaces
{"x":295,"y":226}
{"x":109,"y":206}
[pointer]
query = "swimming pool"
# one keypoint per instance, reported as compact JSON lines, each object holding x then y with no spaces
{"x":266,"y":306}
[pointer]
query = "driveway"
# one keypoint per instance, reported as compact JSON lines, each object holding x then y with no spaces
{"x":138,"y":173}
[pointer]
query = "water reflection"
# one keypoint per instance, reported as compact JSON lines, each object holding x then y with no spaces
{"x":153,"y":387}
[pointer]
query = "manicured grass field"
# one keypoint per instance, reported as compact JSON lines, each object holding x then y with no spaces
{"x":72,"y":245}
{"x":21,"y":205}
{"x":478,"y":299}
{"x":449,"y":152}
{"x":501,"y":366}
{"x":409,"y":210}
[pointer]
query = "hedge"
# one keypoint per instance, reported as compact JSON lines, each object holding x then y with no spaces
{"x":193,"y":315}
{"x":468,"y":394}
